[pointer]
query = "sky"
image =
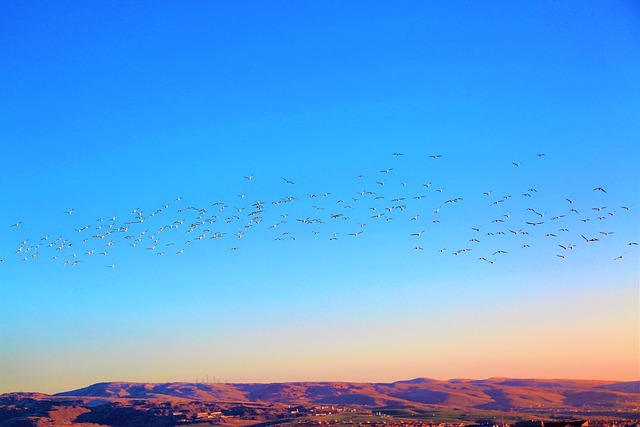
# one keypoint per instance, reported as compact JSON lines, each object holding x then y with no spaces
{"x":318,"y":191}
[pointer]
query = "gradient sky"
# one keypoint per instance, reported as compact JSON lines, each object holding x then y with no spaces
{"x":111,"y":107}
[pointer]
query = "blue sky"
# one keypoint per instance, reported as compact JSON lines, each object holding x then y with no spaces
{"x":113,"y":107}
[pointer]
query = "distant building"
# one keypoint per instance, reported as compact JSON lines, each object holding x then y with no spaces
{"x":565,"y":423}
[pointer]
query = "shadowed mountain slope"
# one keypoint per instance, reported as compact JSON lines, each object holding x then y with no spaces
{"x":492,"y":393}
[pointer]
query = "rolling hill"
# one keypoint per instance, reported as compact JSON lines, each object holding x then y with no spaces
{"x":490,"y":394}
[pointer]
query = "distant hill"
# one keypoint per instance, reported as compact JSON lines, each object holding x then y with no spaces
{"x":492,"y":393}
{"x":625,"y":387}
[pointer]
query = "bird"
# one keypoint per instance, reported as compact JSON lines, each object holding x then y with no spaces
{"x":198,"y":219}
{"x":69,"y":212}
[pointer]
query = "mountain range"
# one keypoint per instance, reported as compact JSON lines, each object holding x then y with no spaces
{"x":490,"y":394}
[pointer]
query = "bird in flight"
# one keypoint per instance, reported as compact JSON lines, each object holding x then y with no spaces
{"x":402,"y":212}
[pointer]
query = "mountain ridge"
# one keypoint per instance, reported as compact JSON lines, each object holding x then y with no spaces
{"x":493,"y":393}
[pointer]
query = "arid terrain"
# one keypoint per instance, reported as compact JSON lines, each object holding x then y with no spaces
{"x":417,"y":402}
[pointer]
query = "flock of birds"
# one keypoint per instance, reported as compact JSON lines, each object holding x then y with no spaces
{"x":174,"y":228}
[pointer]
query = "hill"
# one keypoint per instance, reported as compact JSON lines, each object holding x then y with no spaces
{"x":492,"y":393}
{"x":420,"y":402}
